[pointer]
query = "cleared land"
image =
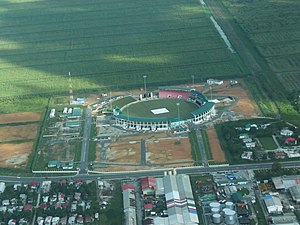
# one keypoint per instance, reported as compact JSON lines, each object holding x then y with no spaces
{"x":107,"y":43}
{"x":16,"y":133}
{"x":217,"y":152}
{"x":245,"y":105}
{"x":59,"y":151}
{"x":15,"y":155}
{"x":169,"y":150}
{"x":19,"y":117}
{"x":124,"y":152}
{"x":143,"y":108}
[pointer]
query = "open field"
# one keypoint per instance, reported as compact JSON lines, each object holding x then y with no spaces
{"x":107,"y":44}
{"x":245,"y":105}
{"x":59,"y":151}
{"x":16,"y":133}
{"x":270,"y":31}
{"x":15,"y":155}
{"x":169,"y":150}
{"x":19,"y":117}
{"x":267,"y":143}
{"x":217,"y":152}
{"x":124,"y":152}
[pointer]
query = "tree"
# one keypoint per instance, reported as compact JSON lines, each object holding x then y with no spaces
{"x":277,"y":169}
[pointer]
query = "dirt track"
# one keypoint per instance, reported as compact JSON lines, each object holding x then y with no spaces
{"x":217,"y":152}
{"x":168,"y":150}
{"x":15,"y":155}
{"x":19,"y":117}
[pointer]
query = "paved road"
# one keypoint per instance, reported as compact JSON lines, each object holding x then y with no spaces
{"x":143,"y":152}
{"x":85,"y":142}
{"x":156,"y":173}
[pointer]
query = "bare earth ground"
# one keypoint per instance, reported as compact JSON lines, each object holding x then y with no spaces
{"x":166,"y":151}
{"x":60,"y":152}
{"x":14,"y":133}
{"x":15,"y":155}
{"x":217,"y":152}
{"x":245,"y":104}
{"x":19,"y":117}
{"x":139,"y":137}
{"x":124,"y":152}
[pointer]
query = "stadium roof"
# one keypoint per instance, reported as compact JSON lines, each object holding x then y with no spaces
{"x":206,"y":107}
{"x":141,"y":119}
{"x":175,"y":88}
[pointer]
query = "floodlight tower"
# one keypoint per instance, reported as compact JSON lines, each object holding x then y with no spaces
{"x":70,"y":88}
{"x":145,"y":87}
{"x":193,"y":80}
{"x":178,"y":111}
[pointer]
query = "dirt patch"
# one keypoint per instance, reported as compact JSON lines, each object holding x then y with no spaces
{"x":215,"y":147}
{"x":22,"y":132}
{"x":15,"y":155}
{"x":168,"y":151}
{"x":245,"y":105}
{"x":63,"y":151}
{"x":124,"y":152}
{"x":19,"y":117}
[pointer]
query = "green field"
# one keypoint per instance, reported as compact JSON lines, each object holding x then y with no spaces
{"x":271,"y":33}
{"x":109,"y":44}
{"x":268,"y":143}
{"x":143,"y":108}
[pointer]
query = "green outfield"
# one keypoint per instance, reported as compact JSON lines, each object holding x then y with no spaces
{"x":143,"y":108}
{"x":107,"y":43}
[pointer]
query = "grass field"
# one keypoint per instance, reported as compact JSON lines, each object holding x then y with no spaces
{"x":143,"y":108}
{"x":268,"y":143}
{"x":271,"y":32}
{"x":123,"y":101}
{"x":107,"y":44}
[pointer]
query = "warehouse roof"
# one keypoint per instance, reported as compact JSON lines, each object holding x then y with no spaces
{"x":295,"y":192}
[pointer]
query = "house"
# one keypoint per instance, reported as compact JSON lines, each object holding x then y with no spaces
{"x":34,"y":185}
{"x":63,"y":220}
{"x":214,"y":82}
{"x":2,"y":187}
{"x":80,"y":219}
{"x":27,"y":207}
{"x":250,"y":145}
{"x":43,"y":206}
{"x":148,"y":207}
{"x":246,"y":140}
{"x":48,"y":220}
{"x":71,"y":220}
{"x":55,"y":220}
{"x":280,"y":155}
{"x":286,"y":132}
{"x":290,"y":141}
{"x":5,"y":202}
{"x":148,"y":185}
{"x":40,"y":220}
{"x":88,"y":219}
{"x":247,"y":155}
{"x":12,"y":222}
{"x":127,"y":186}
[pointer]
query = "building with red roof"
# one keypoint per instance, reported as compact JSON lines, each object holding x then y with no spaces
{"x":27,"y":207}
{"x":148,"y":185}
{"x":127,"y":186}
{"x":148,"y":207}
{"x":280,"y":155}
{"x":290,"y":140}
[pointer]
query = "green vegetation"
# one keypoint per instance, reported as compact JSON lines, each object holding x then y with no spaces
{"x":206,"y":145}
{"x":268,"y":143}
{"x":107,"y":44}
{"x":195,"y":147}
{"x":259,"y":213}
{"x":113,"y":214}
{"x":273,"y":42}
{"x":143,"y":108}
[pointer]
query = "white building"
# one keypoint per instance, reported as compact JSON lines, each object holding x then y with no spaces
{"x":295,"y":193}
{"x":273,"y":204}
{"x":2,"y":187}
{"x":214,"y":82}
{"x":286,"y":132}
{"x":247,"y":155}
{"x":250,"y":145}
